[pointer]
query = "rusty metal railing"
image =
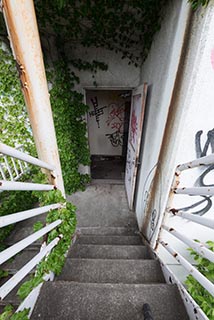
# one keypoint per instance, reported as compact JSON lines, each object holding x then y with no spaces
{"x":180,"y":237}
{"x":10,"y":252}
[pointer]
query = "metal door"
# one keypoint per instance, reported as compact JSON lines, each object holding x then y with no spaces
{"x":134,"y":140}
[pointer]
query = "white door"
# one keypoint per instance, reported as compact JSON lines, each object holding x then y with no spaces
{"x":134,"y":140}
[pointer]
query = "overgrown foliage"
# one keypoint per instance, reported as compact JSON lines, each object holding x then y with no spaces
{"x":204,"y":299}
{"x":14,"y":123}
{"x":127,"y":27}
{"x":197,"y":3}
{"x":55,"y":260}
{"x":11,"y":202}
{"x":68,"y":112}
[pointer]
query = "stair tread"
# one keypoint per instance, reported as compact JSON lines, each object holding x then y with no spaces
{"x":112,"y":271}
{"x":94,"y":251}
{"x":109,"y":230}
{"x":109,"y":239}
{"x":80,"y":301}
{"x":20,"y":259}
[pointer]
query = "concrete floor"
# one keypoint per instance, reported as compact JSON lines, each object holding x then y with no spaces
{"x":103,"y":205}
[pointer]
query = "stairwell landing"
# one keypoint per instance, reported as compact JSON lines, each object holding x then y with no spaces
{"x":109,"y":272}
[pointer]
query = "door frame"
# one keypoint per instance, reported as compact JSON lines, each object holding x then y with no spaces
{"x":104,"y":88}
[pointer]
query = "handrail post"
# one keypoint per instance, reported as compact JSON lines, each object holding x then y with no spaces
{"x":23,"y":32}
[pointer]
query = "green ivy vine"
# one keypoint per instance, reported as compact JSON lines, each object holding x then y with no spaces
{"x":203,"y":298}
{"x":198,"y":3}
{"x":54,"y":262}
{"x":68,"y":112}
{"x":14,"y":123}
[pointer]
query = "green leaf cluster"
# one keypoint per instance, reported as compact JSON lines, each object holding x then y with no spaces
{"x":68,"y":112}
{"x":8,"y":314}
{"x":12,"y":202}
{"x":204,"y":299}
{"x":54,"y":262}
{"x":14,"y":123}
{"x":197,"y":3}
{"x":126,"y":27}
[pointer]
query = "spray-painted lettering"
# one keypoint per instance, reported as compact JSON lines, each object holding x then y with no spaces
{"x":97,"y":112}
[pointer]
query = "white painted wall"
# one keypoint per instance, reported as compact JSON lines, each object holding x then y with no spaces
{"x":192,"y":111}
{"x":197,"y":102}
{"x":159,"y":71}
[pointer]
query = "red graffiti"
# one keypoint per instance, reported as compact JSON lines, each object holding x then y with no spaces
{"x":118,"y":126}
{"x":116,"y":117}
{"x":212,"y":58}
{"x":133,"y":126}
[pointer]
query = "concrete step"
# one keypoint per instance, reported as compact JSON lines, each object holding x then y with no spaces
{"x":63,"y":300}
{"x":116,"y":231}
{"x":91,"y":251}
{"x":110,"y":240}
{"x":103,"y":219}
{"x":20,"y":234}
{"x":112,"y":271}
{"x":12,"y":297}
{"x":20,"y":259}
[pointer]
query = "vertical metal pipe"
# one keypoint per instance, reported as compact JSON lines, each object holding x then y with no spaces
{"x":22,"y":28}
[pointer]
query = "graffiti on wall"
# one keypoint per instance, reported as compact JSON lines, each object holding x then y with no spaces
{"x":116,"y":122}
{"x":98,"y":111}
{"x":200,"y":181}
{"x":133,"y":127}
{"x":116,"y":138}
{"x":116,"y":116}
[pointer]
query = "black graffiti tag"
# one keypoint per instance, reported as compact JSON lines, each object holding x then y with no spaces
{"x":116,"y":138}
{"x":97,"y":112}
{"x":202,"y":152}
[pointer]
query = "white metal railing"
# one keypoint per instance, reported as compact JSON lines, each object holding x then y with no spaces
{"x":9,"y":168}
{"x":198,"y":247}
{"x":9,"y":183}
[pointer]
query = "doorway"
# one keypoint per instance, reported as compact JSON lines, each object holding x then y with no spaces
{"x":108,"y":126}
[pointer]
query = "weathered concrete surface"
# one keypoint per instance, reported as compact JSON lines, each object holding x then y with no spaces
{"x":107,"y":275}
{"x":109,"y":231}
{"x":110,"y":240}
{"x":112,"y":271}
{"x":80,"y":301}
{"x":103,"y":205}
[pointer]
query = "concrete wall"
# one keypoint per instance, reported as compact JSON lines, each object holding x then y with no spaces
{"x":195,"y":130}
{"x":119,"y":73}
{"x":159,"y":71}
{"x":189,"y":127}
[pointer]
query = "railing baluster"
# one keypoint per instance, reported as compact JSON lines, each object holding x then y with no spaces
{"x":19,"y":246}
{"x":2,"y":172}
{"x":8,"y":168}
{"x":15,"y":168}
{"x":11,"y":283}
{"x":209,"y":286}
{"x":11,"y":185}
{"x":23,"y":215}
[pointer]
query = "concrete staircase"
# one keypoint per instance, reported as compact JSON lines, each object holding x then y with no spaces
{"x":109,"y":273}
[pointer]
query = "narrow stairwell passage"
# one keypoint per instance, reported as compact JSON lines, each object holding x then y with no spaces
{"x":109,"y":273}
